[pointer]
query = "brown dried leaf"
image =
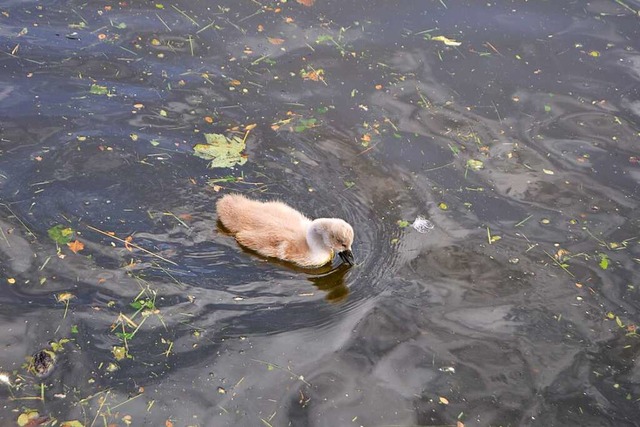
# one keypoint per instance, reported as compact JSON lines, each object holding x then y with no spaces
{"x":76,"y":246}
{"x":127,"y":245}
{"x":274,"y":40}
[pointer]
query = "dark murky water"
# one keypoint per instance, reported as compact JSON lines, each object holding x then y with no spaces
{"x":520,"y":145}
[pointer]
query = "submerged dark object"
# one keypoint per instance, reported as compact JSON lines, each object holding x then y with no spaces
{"x":43,"y":363}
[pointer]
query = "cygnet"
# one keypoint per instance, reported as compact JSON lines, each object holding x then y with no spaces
{"x":275,"y":229}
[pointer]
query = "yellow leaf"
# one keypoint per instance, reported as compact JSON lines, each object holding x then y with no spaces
{"x":223,"y":152}
{"x":119,"y":352}
{"x":64,"y":296}
{"x":26,"y":417}
{"x":443,"y":400}
{"x":11,"y":281}
{"x":447,"y":41}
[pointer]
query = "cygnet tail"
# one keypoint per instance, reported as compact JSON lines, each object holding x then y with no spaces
{"x":231,"y":208}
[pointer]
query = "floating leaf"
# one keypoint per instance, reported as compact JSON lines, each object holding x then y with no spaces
{"x":547,"y":108}
{"x":76,"y":246}
{"x":98,"y":90}
{"x":275,"y":41}
{"x":304,"y":124}
{"x":402,"y":223}
{"x":604,"y":261}
{"x":119,"y":352}
{"x":72,"y":423}
{"x":307,"y":3}
{"x":474,"y":164}
{"x":548,"y":172}
{"x":315,"y":75}
{"x":447,"y":41}
{"x":324,"y":38}
{"x":60,"y":234}
{"x":222,"y":151}
{"x":26,"y":417}
{"x":64,"y":296}
{"x":443,"y":400}
{"x":443,"y":206}
{"x":58,"y":346}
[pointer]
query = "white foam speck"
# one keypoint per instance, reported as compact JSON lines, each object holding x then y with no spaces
{"x":422,"y":225}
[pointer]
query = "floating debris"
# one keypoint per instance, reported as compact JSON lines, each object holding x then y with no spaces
{"x":447,"y":41}
{"x":223,"y":152}
{"x":43,"y":363}
{"x":422,"y":225}
{"x":5,"y":379}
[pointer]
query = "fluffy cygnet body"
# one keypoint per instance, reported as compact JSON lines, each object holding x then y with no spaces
{"x":275,"y":229}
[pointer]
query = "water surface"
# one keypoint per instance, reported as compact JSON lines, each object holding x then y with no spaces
{"x":516,"y":135}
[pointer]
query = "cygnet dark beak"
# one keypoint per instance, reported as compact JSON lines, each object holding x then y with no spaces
{"x":347,"y":256}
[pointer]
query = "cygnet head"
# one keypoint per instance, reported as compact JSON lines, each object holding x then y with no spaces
{"x":338,"y":235}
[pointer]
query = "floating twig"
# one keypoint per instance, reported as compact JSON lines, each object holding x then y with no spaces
{"x":130,"y":244}
{"x":162,"y":20}
{"x":559,"y":265}
{"x":183,"y":13}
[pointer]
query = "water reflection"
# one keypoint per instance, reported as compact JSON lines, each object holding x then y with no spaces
{"x":329,"y":278}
